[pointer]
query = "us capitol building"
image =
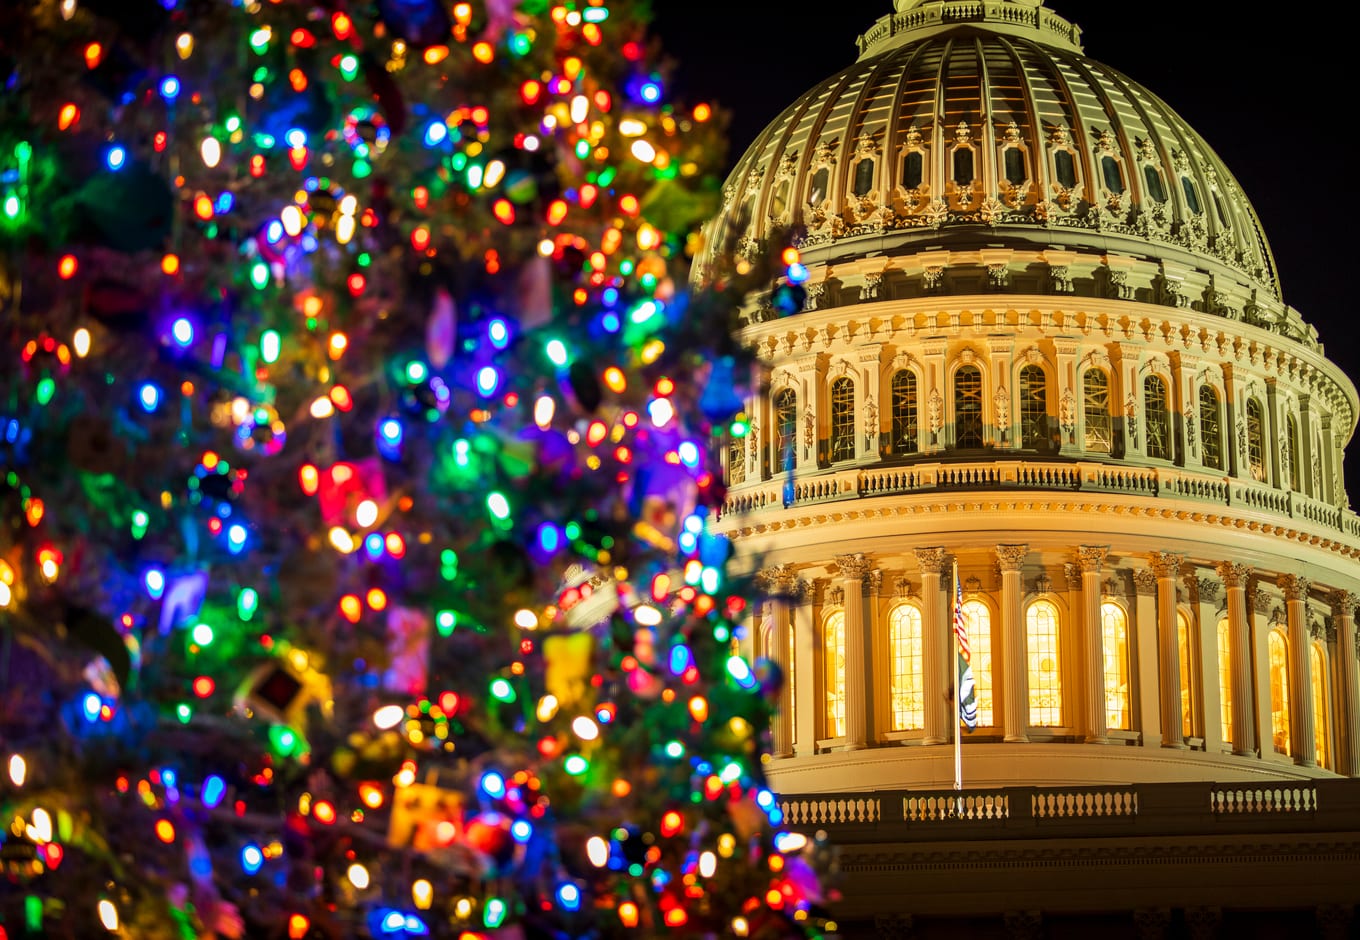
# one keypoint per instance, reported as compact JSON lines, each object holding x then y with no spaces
{"x":1042,"y":338}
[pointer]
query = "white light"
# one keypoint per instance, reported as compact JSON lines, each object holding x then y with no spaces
{"x":81,"y":342}
{"x":526,"y":619}
{"x":108,"y":915}
{"x":547,"y":707}
{"x":632,"y":127}
{"x":342,"y":540}
{"x":580,"y":107}
{"x":389,"y":716}
{"x":366,"y":513}
{"x":358,"y":876}
{"x":40,"y":830}
{"x":495,"y":172}
{"x":544,"y":408}
{"x":291,"y":216}
{"x":344,"y":229}
{"x":598,"y":851}
{"x":646,"y":615}
{"x":18,"y":769}
{"x":644,"y":151}
{"x":708,"y":864}
{"x":585,"y":728}
{"x":661,"y":411}
{"x":322,"y":407}
{"x":211,"y":151}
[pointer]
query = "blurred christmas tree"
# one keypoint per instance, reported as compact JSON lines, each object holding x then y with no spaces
{"x":358,"y":445}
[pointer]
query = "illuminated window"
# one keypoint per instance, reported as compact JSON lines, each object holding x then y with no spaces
{"x":978,"y":621}
{"x":1289,"y":451}
{"x":1114,"y":624}
{"x":1045,"y":672}
{"x":1096,"y":401}
{"x":1157,"y":418}
{"x":1256,"y":440}
{"x":1187,"y":676}
{"x":1033,"y":407}
{"x":1318,"y":667}
{"x":906,"y":684}
{"x":1225,"y":679}
{"x":1210,"y":427}
{"x":833,"y":656}
{"x":904,"y":412}
{"x":736,"y":460}
{"x":968,"y":407}
{"x":842,"y":420}
{"x":785,"y":427}
{"x":1279,"y":690}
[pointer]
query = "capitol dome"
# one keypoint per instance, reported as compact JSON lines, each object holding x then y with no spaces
{"x":1040,"y":342}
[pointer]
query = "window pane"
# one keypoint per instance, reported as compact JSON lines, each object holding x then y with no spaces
{"x":1115,"y":643}
{"x":781,"y":200}
{"x":1065,"y":168}
{"x":1279,"y":691}
{"x":1256,"y":440}
{"x":819,"y":192}
{"x":1153,"y":178}
{"x":1045,"y":672}
{"x":963,"y":167}
{"x":1114,"y":179}
{"x":1191,"y":194}
{"x":785,"y":427}
{"x":1289,"y":451}
{"x":904,"y":420}
{"x":978,"y":620}
{"x":907,"y":686}
{"x":842,"y":420}
{"x":1033,"y":407}
{"x":968,"y":407}
{"x":1014,"y":159}
{"x":736,"y":460}
{"x":1225,"y":679}
{"x":1096,"y":401}
{"x":1210,"y":427}
{"x":1220,"y":211}
{"x":834,"y":661}
{"x":864,"y":177}
{"x":1318,"y":669}
{"x":1187,"y":677}
{"x":1158,"y":421}
{"x":913,"y":168}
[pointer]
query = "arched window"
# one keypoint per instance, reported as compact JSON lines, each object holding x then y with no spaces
{"x":1157,"y":417}
{"x":978,"y":621}
{"x":1225,"y":679}
{"x":1033,"y":407}
{"x":785,"y":428}
{"x":864,"y":177}
{"x":736,"y":460}
{"x":1321,"y":725}
{"x":1279,"y":690}
{"x":1114,"y":623}
{"x":1289,"y":451}
{"x":1095,"y":389}
{"x":1187,"y":674}
{"x":833,"y":661}
{"x":968,"y":407}
{"x":906,"y":683}
{"x":1256,"y":439}
{"x":842,"y":420}
{"x":1210,"y":427}
{"x":1045,"y":666}
{"x":904,"y":412}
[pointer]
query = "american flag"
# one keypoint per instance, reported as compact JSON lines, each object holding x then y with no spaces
{"x":968,"y":712}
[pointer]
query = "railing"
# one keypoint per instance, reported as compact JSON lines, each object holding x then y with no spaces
{"x":1060,"y":812}
{"x":1002,"y":474}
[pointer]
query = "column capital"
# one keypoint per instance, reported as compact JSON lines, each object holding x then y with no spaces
{"x":1092,"y":557}
{"x":1343,"y":603}
{"x":1295,"y":587}
{"x":1206,"y":589}
{"x":781,"y":582}
{"x":853,"y":567}
{"x":1011,"y":557}
{"x":1165,"y":564}
{"x":1233,"y":574}
{"x":1145,"y":581}
{"x":1073,"y":574}
{"x":931,"y":560}
{"x":876,"y":581}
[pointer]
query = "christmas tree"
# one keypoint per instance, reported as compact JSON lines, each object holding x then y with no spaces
{"x":359,"y":438}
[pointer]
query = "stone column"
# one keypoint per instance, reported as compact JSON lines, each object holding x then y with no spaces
{"x":1260,"y":625}
{"x":1015,"y":675}
{"x":853,"y":569}
{"x":1239,"y":654}
{"x":1205,"y":594}
{"x":1343,"y":610}
{"x":1092,"y":557}
{"x":1301,"y":733}
{"x":805,"y":706}
{"x":1149,"y":680}
{"x":876,"y":671}
{"x":1166,"y":565}
{"x":934,"y":647}
{"x":785,"y":590}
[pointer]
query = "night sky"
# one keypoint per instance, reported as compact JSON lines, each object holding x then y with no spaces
{"x":1274,"y":96}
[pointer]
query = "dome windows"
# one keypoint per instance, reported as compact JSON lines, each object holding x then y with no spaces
{"x":864,"y":177}
{"x":968,"y":408}
{"x":1191,"y":195}
{"x":906,"y":665}
{"x":1211,"y":428}
{"x":1045,"y":666}
{"x":785,"y":428}
{"x":842,"y":443}
{"x":1152,"y":180}
{"x":1114,"y":627}
{"x":914,"y":166}
{"x":1256,"y":440}
{"x":1112,"y":175}
{"x":904,"y":412}
{"x":1156,"y":409}
{"x":1099,"y":436}
{"x":913,"y":169}
{"x":1065,"y":169}
{"x":820,"y":191}
{"x":1013,"y":163}
{"x":1033,"y":407}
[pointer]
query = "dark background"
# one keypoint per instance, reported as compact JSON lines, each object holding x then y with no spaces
{"x":1273,"y":93}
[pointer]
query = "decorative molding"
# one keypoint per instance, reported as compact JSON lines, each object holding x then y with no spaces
{"x":876,"y":581}
{"x":1165,"y":564}
{"x":781,"y":582}
{"x":834,"y":597}
{"x":1072,"y":572}
{"x":1011,"y":557}
{"x":1233,"y":574}
{"x":852,"y":567}
{"x":902,"y":587}
{"x":1207,"y":589}
{"x":931,"y":560}
{"x":1343,"y":603}
{"x":1091,"y":557}
{"x":1043,"y":584}
{"x":1145,"y":581}
{"x":1295,"y":587}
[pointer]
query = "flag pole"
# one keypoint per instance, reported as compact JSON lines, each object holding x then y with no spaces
{"x":958,"y":704}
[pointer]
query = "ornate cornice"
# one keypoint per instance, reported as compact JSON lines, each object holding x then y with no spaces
{"x":931,"y":560}
{"x":1011,"y":557}
{"x":1295,"y":587}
